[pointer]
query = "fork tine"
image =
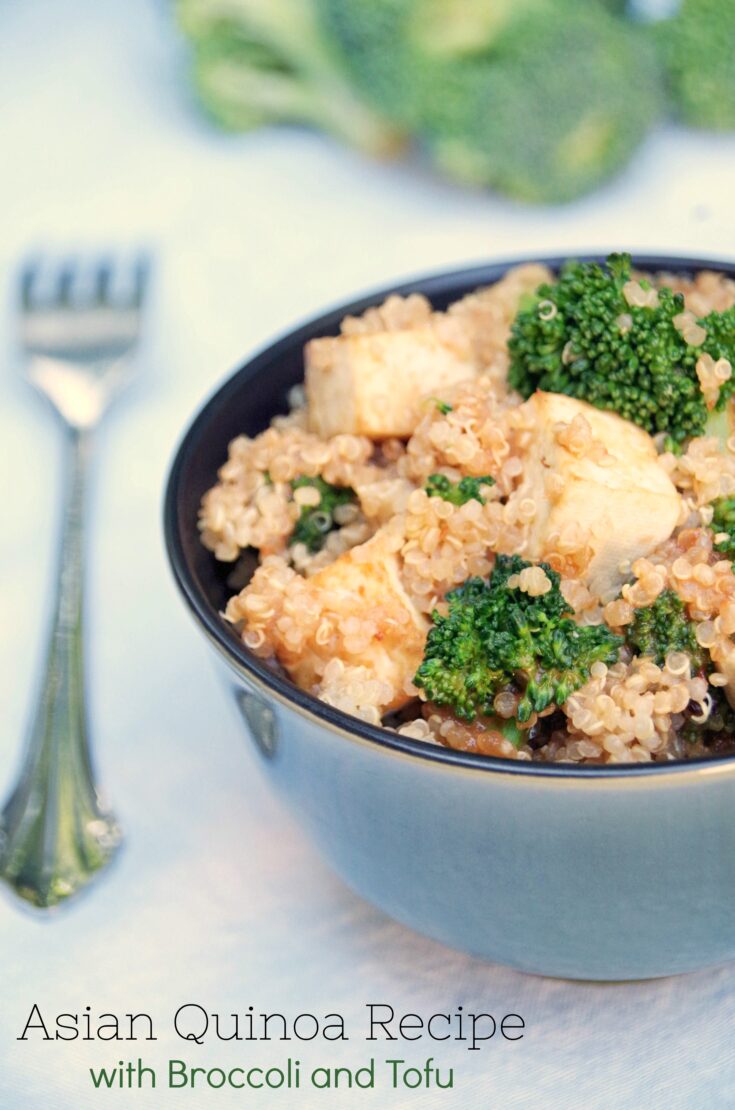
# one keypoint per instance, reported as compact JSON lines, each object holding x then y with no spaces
{"x":82,"y":309}
{"x":65,"y":281}
{"x":103,"y":280}
{"x":28,"y":279}
{"x":141,"y":275}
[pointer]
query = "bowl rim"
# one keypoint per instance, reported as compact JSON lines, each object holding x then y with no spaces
{"x":276,"y":687}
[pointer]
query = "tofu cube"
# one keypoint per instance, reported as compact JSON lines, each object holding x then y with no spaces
{"x":356,"y":610}
{"x":372,"y":384}
{"x":612,"y":492}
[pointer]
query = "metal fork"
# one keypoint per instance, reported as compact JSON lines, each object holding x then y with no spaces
{"x":55,"y":833}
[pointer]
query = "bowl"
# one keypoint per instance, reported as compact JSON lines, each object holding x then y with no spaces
{"x":584,"y":872}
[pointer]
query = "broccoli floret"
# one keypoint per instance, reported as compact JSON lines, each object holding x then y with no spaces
{"x":518,"y":116}
{"x":458,"y":493}
{"x":258,"y":62}
{"x":723,"y":522}
{"x":720,"y":343}
{"x":698,"y":48}
{"x":487,"y":86}
{"x":491,"y":90}
{"x":496,"y":637}
{"x":317,"y":521}
{"x":375,"y":40}
{"x":662,"y":627}
{"x":580,"y":336}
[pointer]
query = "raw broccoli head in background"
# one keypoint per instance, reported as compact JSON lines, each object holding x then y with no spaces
{"x":539,"y":98}
{"x":374,"y":39}
{"x":554,"y":104}
{"x":244,"y":84}
{"x":698,"y":48}
{"x":269,"y":61}
{"x":582,"y":338}
{"x":723,"y":522}
{"x":662,"y":627}
{"x":497,"y":637}
{"x":395,"y":49}
{"x":315,"y":522}
{"x":458,"y":493}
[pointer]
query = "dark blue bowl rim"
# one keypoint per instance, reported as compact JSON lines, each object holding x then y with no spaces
{"x":206,"y":614}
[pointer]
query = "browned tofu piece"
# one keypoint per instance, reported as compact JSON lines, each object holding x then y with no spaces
{"x":372,"y":378}
{"x":350,"y":623}
{"x":598,"y":480}
{"x":372,"y":384}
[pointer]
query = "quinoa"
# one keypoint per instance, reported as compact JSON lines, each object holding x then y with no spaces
{"x":706,"y":292}
{"x":472,"y":438}
{"x":445,"y":544}
{"x":488,"y":313}
{"x":348,"y":618}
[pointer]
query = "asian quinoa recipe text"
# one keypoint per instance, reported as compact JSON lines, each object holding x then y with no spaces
{"x":509,"y":527}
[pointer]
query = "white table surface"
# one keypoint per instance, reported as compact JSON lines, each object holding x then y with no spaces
{"x":217,"y":897}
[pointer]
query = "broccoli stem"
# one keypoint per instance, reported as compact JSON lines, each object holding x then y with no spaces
{"x":721,"y":423}
{"x":511,"y":731}
{"x":242,"y":96}
{"x":259,"y":62}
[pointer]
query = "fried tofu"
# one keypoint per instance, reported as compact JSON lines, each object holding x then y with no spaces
{"x":357,"y":611}
{"x":372,"y":384}
{"x":602,"y":498}
{"x":371,"y":379}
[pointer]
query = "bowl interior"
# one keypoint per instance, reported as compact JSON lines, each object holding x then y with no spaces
{"x":245,"y":404}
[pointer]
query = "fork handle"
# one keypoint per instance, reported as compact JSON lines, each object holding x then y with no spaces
{"x":55,"y":834}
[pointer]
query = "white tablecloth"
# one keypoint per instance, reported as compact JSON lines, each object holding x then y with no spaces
{"x":217,"y":898}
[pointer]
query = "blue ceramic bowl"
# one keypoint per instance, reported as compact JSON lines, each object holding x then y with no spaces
{"x":582,"y":872}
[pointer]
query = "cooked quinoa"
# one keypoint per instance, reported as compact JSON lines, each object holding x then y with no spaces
{"x":365,"y":572}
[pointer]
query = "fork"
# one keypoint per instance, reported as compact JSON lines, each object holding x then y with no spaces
{"x":55,"y":832}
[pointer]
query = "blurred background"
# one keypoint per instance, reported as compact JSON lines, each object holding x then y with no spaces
{"x":446,"y":132}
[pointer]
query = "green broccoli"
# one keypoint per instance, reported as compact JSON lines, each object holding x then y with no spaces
{"x":316,"y":521}
{"x":491,"y":90}
{"x":723,"y":522}
{"x":457,"y":493}
{"x":580,"y":336}
{"x":496,"y":637}
{"x":721,"y":344}
{"x":662,"y":627}
{"x":375,"y":40}
{"x":259,"y":62}
{"x":521,"y":116}
{"x":488,"y":87}
{"x":698,"y":48}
